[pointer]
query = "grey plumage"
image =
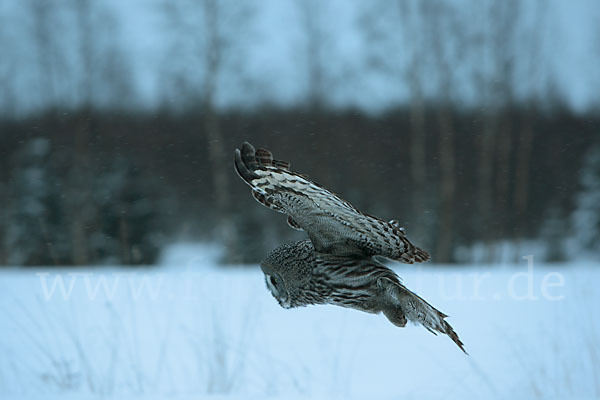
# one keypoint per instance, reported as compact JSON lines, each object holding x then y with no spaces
{"x":337,"y":265}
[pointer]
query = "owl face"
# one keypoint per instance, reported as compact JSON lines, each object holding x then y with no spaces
{"x":277,"y":287}
{"x":288,"y":273}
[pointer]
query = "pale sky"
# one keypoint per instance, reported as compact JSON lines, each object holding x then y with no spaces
{"x":272,"y":56}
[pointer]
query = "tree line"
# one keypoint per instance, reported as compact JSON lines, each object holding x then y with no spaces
{"x":140,"y":180}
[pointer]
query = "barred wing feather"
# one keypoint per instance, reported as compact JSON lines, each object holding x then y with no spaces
{"x":333,"y":225}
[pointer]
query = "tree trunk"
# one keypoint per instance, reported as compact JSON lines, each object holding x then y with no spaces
{"x":79,"y":199}
{"x":484,"y":183}
{"x":503,"y":158}
{"x":521,"y":196}
{"x":445,"y":243}
{"x":417,"y":158}
{"x":225,"y":228}
{"x":310,"y":19}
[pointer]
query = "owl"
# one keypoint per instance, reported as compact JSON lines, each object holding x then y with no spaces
{"x":338,"y":264}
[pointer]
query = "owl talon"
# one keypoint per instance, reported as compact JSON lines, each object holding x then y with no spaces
{"x":395,"y":316}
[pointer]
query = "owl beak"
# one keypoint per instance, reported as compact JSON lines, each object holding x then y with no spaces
{"x":285,"y":303}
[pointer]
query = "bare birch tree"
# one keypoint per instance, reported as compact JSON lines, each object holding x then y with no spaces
{"x":446,"y":41}
{"x":395,"y":38}
{"x":533,"y":43}
{"x":314,"y":58}
{"x":207,"y":34}
{"x":411,"y":13}
{"x":102,"y":78}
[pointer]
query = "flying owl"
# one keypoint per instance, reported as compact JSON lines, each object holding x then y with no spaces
{"x":337,"y":265}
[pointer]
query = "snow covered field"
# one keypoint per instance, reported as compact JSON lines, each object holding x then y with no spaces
{"x":189,"y":329}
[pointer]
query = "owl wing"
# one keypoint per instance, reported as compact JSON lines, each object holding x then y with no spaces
{"x":333,"y":225}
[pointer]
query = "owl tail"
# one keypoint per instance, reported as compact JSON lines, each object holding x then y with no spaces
{"x":407,"y":305}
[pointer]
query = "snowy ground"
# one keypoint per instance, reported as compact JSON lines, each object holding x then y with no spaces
{"x":192,"y":330}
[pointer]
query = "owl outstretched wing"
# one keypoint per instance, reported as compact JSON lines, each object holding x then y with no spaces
{"x":333,"y":225}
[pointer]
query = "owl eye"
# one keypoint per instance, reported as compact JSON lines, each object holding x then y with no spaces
{"x":273,"y":281}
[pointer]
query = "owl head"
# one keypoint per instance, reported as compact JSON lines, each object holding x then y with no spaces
{"x":287,"y":271}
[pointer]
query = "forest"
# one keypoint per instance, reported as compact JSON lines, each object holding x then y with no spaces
{"x":460,"y":131}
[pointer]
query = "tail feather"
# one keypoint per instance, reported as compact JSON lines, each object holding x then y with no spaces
{"x":420,"y":311}
{"x":417,"y":310}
